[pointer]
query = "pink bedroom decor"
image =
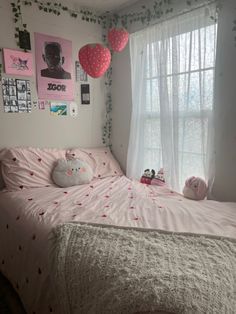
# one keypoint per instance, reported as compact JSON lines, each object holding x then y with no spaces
{"x":17,"y":62}
{"x":195,"y":188}
{"x":94,"y":59}
{"x":118,"y":38}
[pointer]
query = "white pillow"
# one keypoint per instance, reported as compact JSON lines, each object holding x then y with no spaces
{"x":71,"y":172}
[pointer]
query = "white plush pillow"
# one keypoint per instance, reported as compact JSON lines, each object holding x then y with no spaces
{"x":71,"y":172}
{"x":100,"y":160}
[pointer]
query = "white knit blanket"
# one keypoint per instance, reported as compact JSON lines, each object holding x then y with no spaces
{"x":98,"y":269}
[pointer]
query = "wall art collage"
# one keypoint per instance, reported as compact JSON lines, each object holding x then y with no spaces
{"x":54,"y":73}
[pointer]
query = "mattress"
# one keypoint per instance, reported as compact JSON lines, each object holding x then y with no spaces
{"x":27,"y":218}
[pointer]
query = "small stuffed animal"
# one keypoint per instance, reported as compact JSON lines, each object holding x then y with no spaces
{"x":195,"y":188}
{"x":71,"y":172}
{"x":147,"y":176}
{"x":159,"y":178}
{"x":150,"y":177}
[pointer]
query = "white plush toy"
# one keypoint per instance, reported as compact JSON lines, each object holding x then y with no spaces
{"x":71,"y":172}
{"x":195,"y":188}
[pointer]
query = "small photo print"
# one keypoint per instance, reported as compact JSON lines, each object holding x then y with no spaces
{"x":22,"y":104}
{"x":21,"y":85}
{"x":12,"y":81}
{"x":77,"y":71}
{"x":83,"y":75}
{"x":4,"y":81}
{"x":13,"y":102}
{"x":58,"y":109}
{"x":85,"y":94}
{"x":7,"y":108}
{"x":14,"y":109}
{"x":27,"y":85}
{"x":12,"y":90}
{"x":21,"y":96}
{"x":13,"y":99}
{"x":5,"y":90}
{"x":80,"y":74}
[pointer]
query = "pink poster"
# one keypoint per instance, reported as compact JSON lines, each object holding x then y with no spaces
{"x":54,"y":67}
{"x":18,"y":62}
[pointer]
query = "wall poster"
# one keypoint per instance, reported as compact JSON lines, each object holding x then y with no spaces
{"x":54,"y":67}
{"x":18,"y":62}
{"x":16,"y":95}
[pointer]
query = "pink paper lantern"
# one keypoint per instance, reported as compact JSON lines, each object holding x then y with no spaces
{"x":94,"y":59}
{"x":118,"y":38}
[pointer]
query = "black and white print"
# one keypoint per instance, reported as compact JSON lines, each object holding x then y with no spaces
{"x":16,"y":95}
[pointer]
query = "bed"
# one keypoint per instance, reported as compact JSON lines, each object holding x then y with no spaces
{"x":44,"y":228}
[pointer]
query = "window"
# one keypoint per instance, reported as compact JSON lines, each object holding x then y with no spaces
{"x":177,"y":96}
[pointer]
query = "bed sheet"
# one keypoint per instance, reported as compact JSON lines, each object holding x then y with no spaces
{"x":28,"y":216}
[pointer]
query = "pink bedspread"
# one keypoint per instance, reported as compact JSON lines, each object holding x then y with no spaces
{"x":28,"y":216}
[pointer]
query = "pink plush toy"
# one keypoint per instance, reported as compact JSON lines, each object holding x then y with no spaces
{"x":195,"y":188}
{"x":159,"y":178}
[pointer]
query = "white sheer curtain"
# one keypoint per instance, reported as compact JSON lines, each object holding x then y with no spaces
{"x":172,"y":68}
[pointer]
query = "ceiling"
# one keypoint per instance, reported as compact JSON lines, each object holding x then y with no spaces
{"x":103,"y":5}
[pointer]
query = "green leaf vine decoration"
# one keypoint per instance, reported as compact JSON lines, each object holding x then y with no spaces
{"x":107,"y":127}
{"x":234,"y":30}
{"x":18,"y":20}
{"x":144,"y":15}
{"x":107,"y":19}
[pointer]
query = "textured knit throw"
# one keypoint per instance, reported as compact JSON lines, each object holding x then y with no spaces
{"x":101,"y":270}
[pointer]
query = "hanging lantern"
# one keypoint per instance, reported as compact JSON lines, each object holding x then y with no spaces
{"x":94,"y":59}
{"x":118,"y":38}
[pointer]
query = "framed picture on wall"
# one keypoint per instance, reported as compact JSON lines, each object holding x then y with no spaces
{"x":18,"y":62}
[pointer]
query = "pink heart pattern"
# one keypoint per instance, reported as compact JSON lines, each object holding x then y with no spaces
{"x":118,"y":38}
{"x":95,"y":59}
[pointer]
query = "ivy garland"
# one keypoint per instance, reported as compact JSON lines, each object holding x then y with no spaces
{"x":144,"y":16}
{"x":107,"y":20}
{"x":234,"y":30}
{"x":107,"y":128}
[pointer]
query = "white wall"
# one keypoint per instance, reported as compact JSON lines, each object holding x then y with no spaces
{"x":39,"y":128}
{"x":225,"y":105}
{"x":121,"y":104}
{"x":225,"y":123}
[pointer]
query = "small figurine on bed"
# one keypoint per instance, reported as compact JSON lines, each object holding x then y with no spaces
{"x":150,"y":177}
{"x":147,"y":176}
{"x":195,"y":188}
{"x":159,"y":178}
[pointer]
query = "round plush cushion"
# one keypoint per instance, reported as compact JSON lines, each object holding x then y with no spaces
{"x":195,"y":188}
{"x":71,"y":172}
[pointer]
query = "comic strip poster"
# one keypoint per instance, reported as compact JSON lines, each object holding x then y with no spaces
{"x":18,"y":62}
{"x":16,"y":95}
{"x":53,"y":57}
